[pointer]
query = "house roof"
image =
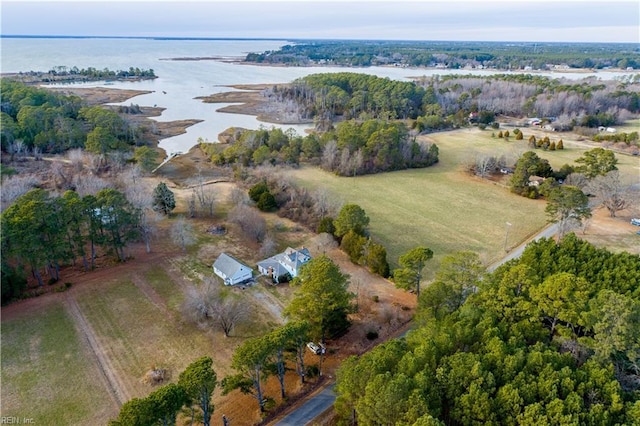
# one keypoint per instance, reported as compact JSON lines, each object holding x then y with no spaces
{"x":273,"y":264}
{"x":228,"y":265}
{"x":296,"y":258}
{"x":288,"y":261}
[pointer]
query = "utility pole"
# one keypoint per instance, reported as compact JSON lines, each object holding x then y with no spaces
{"x":506,"y":236}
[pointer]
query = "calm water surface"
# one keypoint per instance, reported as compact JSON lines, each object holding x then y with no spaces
{"x":179,"y":82}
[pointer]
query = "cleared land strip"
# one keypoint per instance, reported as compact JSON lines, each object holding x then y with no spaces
{"x":116,"y":389}
{"x":151,"y":294}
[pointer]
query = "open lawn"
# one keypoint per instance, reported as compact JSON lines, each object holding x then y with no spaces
{"x":47,"y":371}
{"x":444,"y":208}
{"x":137,"y":334}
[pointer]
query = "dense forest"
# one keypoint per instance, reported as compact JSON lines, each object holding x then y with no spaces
{"x":550,"y":338}
{"x":351,"y":148}
{"x":446,"y":102}
{"x":453,"y":55}
{"x":42,"y":232}
{"x":34,"y":118}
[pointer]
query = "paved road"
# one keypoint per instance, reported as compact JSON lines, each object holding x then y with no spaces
{"x":316,"y":405}
{"x":310,"y":409}
{"x":547,"y":232}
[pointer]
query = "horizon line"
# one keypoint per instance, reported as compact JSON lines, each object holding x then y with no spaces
{"x":186,"y":38}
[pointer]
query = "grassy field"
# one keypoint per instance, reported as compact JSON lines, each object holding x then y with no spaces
{"x":442,"y":207}
{"x":47,"y":371}
{"x":137,"y":335}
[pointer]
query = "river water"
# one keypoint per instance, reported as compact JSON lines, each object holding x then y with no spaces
{"x":179,"y":82}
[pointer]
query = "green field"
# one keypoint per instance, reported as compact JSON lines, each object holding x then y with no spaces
{"x":47,"y":372}
{"x":442,"y":207}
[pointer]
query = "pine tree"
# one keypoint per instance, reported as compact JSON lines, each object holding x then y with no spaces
{"x":163,"y":199}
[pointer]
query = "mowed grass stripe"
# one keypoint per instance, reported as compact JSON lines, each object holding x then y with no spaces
{"x":47,"y":372}
{"x":137,"y":336}
{"x":170,"y":291}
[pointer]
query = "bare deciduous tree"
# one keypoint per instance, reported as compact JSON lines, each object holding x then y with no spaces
{"x":182,"y":233}
{"x":60,"y":175}
{"x":325,"y":204}
{"x":17,"y":148}
{"x":77,"y":158}
{"x":191,"y":205}
{"x":208,"y":306}
{"x":140,"y":197}
{"x":330,"y":155}
{"x":130,"y":175}
{"x":89,"y":184}
{"x":249,"y":220}
{"x":485,"y":165}
{"x":14,"y":186}
{"x":206,"y":196}
{"x":269,"y":246}
{"x":239,"y":196}
{"x":611,"y":193}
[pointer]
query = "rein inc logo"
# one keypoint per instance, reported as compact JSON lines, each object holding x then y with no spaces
{"x":10,"y":420}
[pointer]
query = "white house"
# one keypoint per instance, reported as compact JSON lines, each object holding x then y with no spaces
{"x":284,"y":265}
{"x":231,"y":270}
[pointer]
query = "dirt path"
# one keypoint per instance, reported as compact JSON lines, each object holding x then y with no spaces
{"x":269,"y":302}
{"x":113,"y":384}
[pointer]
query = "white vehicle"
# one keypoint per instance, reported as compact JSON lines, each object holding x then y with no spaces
{"x":635,"y":221}
{"x":314,"y":348}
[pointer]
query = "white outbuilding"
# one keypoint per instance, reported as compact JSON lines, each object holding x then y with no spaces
{"x":231,"y":270}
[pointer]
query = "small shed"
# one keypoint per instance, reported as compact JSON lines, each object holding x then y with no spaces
{"x":231,"y":270}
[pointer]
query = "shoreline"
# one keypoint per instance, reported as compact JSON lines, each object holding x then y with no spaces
{"x":158,"y":129}
{"x":250,"y":101}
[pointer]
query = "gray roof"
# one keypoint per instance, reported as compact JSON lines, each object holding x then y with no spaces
{"x":228,"y":265}
{"x":288,"y":261}
{"x":274,"y":265}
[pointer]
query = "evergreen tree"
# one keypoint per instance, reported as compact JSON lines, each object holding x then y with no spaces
{"x":351,"y":218}
{"x":163,"y":199}
{"x":199,"y":380}
{"x":409,"y":275}
{"x":321,"y":298}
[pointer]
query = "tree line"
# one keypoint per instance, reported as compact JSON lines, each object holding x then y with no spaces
{"x":67,"y":74}
{"x":452,"y":54}
{"x":352,"y":149}
{"x":41,"y":232}
{"x":352,"y":95}
{"x":565,"y":103}
{"x":550,"y":338}
{"x":446,"y":102}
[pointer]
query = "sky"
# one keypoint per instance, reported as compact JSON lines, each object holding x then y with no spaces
{"x":463,"y":20}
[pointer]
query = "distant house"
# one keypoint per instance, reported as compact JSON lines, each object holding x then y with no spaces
{"x":231,"y":270}
{"x":535,"y":180}
{"x":285,"y":265}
